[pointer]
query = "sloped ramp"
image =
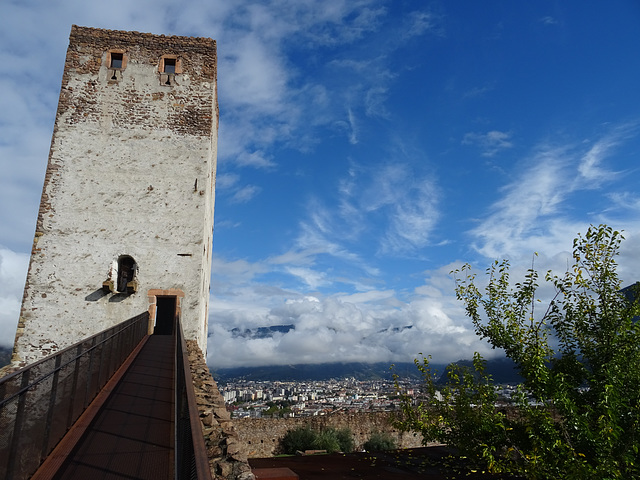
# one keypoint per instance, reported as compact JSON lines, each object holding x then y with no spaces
{"x":132,"y":435}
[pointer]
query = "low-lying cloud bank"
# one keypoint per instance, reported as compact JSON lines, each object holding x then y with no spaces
{"x":373,"y":326}
{"x":333,"y":329}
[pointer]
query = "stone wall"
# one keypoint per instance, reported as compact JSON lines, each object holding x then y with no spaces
{"x":230,"y":442}
{"x":261,"y":436}
{"x":227,"y":454}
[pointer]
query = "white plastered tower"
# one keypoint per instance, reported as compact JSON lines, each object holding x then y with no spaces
{"x":126,"y":217}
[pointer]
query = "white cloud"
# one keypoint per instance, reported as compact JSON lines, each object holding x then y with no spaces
{"x":526,"y":212}
{"x":369,"y":297}
{"x":237,"y":270}
{"x":245,"y":194}
{"x":257,"y":74}
{"x":533,"y":214}
{"x":407,"y":203}
{"x":491,"y":142}
{"x":313,"y":279}
{"x":226,"y":181}
{"x":390,"y":207}
{"x":228,"y":186}
{"x":371,"y":326}
{"x":413,"y":220}
{"x":592,"y":172}
{"x":256,"y":159}
{"x":374,"y":325}
{"x":353,"y":136}
{"x":297,"y":257}
{"x":421,"y":22}
{"x":626,"y":201}
{"x":13,"y":269}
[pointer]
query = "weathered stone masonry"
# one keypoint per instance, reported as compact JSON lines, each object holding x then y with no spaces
{"x":227,"y":454}
{"x":261,"y":436}
{"x":131,"y":174}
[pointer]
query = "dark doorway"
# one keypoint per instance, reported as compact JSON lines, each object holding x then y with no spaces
{"x":165,"y":315}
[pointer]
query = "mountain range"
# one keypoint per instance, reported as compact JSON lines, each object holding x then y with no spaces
{"x":502,"y":370}
{"x":5,"y":355}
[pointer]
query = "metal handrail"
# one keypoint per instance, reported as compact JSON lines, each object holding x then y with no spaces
{"x":40,"y":402}
{"x":59,"y":356}
{"x":191,"y":460}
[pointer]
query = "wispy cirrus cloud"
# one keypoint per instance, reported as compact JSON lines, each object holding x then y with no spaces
{"x":477,"y":92}
{"x":228,"y":185}
{"x":312,"y":278}
{"x":391,"y":210}
{"x":529,"y":206}
{"x":245,"y":194}
{"x":590,"y":168}
{"x":533,"y":210}
{"x":421,"y":22}
{"x":491,"y":143}
{"x":392,"y":205}
{"x":412,"y":218}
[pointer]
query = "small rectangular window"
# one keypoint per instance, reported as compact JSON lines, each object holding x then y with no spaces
{"x":169,"y":65}
{"x":116,"y":60}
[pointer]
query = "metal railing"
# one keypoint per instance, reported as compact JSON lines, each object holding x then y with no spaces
{"x":40,"y":402}
{"x":191,"y":460}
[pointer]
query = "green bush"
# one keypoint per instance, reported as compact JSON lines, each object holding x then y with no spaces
{"x":301,"y":438}
{"x":345,"y":439}
{"x":329,"y":439}
{"x":379,"y":441}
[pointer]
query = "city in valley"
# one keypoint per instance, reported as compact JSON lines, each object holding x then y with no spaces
{"x":264,"y":399}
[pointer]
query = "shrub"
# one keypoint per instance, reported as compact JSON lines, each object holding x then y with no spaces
{"x":379,"y":441}
{"x":301,"y":438}
{"x":329,"y":439}
{"x":345,"y":439}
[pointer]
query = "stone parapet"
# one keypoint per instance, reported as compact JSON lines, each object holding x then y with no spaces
{"x":261,"y":436}
{"x":227,"y":454}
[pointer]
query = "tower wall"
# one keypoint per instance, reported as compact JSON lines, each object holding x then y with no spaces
{"x":129,"y":187}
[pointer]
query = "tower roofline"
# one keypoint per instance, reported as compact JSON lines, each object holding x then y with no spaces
{"x":134,"y":37}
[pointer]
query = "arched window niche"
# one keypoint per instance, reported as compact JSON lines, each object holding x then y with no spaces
{"x":122,"y":276}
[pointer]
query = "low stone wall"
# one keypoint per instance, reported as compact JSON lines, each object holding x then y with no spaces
{"x":261,"y":436}
{"x":227,"y":454}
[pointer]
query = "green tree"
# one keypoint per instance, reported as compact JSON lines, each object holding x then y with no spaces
{"x":578,"y":408}
{"x":300,"y":438}
{"x":345,"y":439}
{"x":326,"y":439}
{"x":379,"y":441}
{"x":329,"y":439}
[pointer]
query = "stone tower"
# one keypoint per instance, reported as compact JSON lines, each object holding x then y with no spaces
{"x":126,"y":217}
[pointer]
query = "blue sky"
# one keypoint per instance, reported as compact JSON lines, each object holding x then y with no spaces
{"x":366,"y":149}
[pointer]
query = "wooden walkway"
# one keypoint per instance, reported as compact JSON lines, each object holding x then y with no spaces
{"x":132,"y":435}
